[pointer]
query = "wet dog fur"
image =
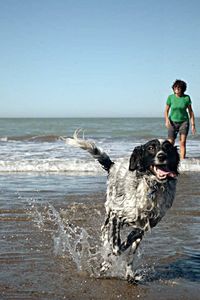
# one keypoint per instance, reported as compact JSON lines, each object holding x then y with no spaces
{"x":140,"y":190}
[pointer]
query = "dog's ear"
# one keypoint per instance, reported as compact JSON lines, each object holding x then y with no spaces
{"x":175,"y":162}
{"x":136,"y":158}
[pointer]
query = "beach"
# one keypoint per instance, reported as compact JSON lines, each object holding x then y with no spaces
{"x":52,"y":208}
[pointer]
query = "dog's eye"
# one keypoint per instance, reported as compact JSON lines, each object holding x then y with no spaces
{"x":150,"y":148}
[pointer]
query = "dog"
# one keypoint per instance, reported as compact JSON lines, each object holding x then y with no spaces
{"x":140,"y":190}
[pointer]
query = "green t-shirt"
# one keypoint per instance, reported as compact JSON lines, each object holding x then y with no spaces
{"x":178,"y":107}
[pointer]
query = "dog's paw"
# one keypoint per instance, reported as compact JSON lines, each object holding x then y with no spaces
{"x":116,"y":251}
{"x":131,"y":277}
{"x":131,"y":280}
{"x":105,"y":266}
{"x":136,"y":279}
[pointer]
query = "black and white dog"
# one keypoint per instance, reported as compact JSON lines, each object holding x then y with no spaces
{"x":139,"y":192}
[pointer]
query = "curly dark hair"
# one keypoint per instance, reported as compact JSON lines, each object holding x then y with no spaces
{"x":181,"y":84}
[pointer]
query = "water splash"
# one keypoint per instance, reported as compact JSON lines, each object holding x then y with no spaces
{"x":70,"y":239}
{"x":75,"y":241}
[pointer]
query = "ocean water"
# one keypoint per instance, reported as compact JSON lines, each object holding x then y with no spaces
{"x":36,"y":145}
{"x":52,"y":208}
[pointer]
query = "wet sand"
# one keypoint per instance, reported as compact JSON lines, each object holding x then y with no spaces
{"x":35,"y":259}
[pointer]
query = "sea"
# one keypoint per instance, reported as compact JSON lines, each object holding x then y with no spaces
{"x":52,"y":199}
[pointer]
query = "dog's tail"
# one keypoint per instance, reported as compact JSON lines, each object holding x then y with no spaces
{"x":90,"y":147}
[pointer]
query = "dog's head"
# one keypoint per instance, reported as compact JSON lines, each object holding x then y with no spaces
{"x":159,"y":157}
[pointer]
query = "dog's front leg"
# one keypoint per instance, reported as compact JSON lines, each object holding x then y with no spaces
{"x":111,"y":240}
{"x":116,"y":241}
{"x":111,"y":233}
{"x":132,"y":237}
{"x":105,"y":236}
{"x":130,"y":275}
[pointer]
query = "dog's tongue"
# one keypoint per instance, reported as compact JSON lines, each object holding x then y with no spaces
{"x":164,"y":172}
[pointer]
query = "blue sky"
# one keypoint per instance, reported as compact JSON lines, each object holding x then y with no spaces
{"x":92,"y":58}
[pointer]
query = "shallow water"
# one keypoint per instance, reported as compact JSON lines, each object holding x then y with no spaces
{"x":52,"y":208}
{"x":50,"y":242}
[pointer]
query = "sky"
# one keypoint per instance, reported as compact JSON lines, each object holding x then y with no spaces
{"x":96,"y":58}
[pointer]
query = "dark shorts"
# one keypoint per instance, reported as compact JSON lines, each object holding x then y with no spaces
{"x":178,"y":127}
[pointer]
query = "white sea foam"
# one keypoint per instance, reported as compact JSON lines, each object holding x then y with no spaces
{"x":48,"y":165}
{"x":4,"y":139}
{"x":79,"y":166}
{"x":55,"y":156}
{"x":190,"y":164}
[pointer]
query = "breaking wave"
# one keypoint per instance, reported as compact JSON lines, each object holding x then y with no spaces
{"x":31,"y":138}
{"x":79,"y":166}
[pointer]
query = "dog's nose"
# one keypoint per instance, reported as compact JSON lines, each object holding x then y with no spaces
{"x":161,"y":156}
